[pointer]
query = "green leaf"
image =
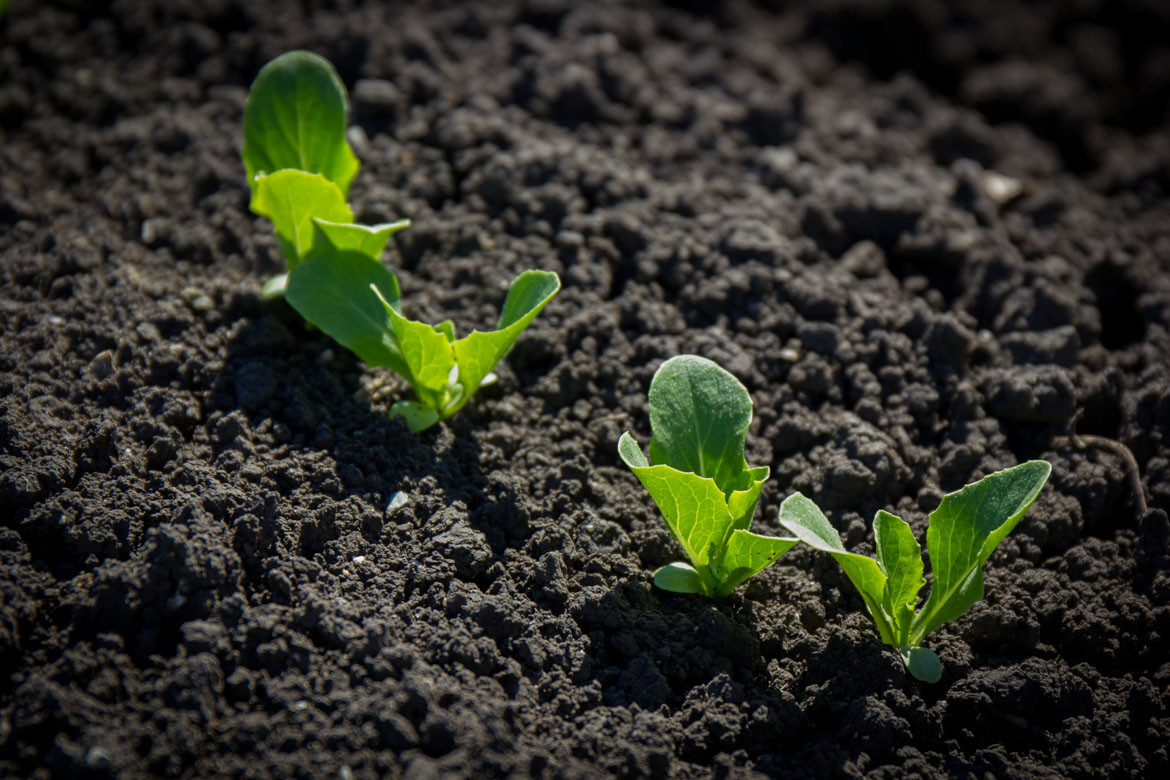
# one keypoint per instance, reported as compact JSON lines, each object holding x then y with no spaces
{"x":748,"y":554}
{"x":805,"y":520}
{"x":922,"y":663}
{"x":678,"y":578}
{"x":417,"y":416}
{"x":965,"y":529}
{"x":294,"y":117}
{"x":699,"y":414}
{"x":479,"y":352}
{"x":291,"y":199}
{"x":900,"y":558}
{"x":334,"y":293}
{"x":428,"y":356}
{"x":694,"y":507}
{"x":367,"y":239}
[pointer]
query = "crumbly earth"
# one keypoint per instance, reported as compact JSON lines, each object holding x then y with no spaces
{"x":932,"y":239}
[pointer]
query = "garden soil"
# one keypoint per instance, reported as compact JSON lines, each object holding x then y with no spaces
{"x":932,"y":239}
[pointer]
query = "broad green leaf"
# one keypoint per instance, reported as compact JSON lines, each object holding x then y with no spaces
{"x":294,"y":117}
{"x":900,"y":558}
{"x":367,"y":239}
{"x":694,"y":507}
{"x":922,"y":663}
{"x":965,"y":529}
{"x":291,"y":199}
{"x":479,"y":352}
{"x":678,"y":578}
{"x":428,"y":356}
{"x":417,"y":416}
{"x":699,"y":415}
{"x":807,"y":523}
{"x":334,"y":293}
{"x":748,"y":554}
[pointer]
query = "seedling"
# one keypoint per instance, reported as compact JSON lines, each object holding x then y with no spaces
{"x":699,"y":418}
{"x":299,"y":169}
{"x":963,"y":532}
{"x":299,"y":164}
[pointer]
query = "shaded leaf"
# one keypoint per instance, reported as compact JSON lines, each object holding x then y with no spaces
{"x":922,"y":663}
{"x":416,"y":416}
{"x":334,"y":293}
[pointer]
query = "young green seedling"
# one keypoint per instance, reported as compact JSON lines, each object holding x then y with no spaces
{"x":356,"y":302}
{"x":963,"y":532}
{"x":299,"y":164}
{"x":699,"y":417}
{"x":299,"y":167}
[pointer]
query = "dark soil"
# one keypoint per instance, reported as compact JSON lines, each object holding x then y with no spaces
{"x":932,"y":239}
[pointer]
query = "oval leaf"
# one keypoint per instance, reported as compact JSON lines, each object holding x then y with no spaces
{"x":678,"y":578}
{"x":965,"y":529}
{"x":699,"y":416}
{"x":922,"y":663}
{"x":294,"y":117}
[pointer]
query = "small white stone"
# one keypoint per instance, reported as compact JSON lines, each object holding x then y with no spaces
{"x":397,"y":501}
{"x":1001,"y":188}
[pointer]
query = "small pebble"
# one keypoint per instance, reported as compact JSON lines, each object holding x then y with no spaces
{"x":397,"y":501}
{"x":1000,"y":188}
